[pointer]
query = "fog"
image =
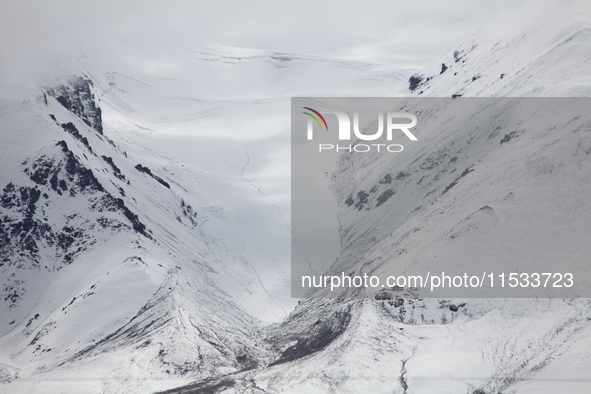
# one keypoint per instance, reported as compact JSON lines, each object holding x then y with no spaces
{"x":39,"y":38}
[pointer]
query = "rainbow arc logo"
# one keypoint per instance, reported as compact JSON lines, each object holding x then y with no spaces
{"x":388,"y":124}
{"x":315,"y":118}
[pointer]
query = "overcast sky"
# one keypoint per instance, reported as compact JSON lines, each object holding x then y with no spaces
{"x":411,"y":33}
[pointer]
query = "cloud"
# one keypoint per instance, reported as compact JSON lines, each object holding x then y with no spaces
{"x":39,"y":37}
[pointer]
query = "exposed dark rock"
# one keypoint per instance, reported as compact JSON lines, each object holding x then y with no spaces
{"x":78,"y":99}
{"x":116,"y":170}
{"x":383,"y":295}
{"x":75,"y":174}
{"x":81,"y":176}
{"x":146,"y":170}
{"x":207,"y":386}
{"x":443,"y":68}
{"x":414,"y":82}
{"x":508,"y":137}
{"x":31,"y":320}
{"x":40,"y":170}
{"x":189,"y":213}
{"x":387,"y":179}
{"x":316,"y":338}
{"x":349,"y":201}
{"x":20,"y":231}
{"x":70,"y":128}
{"x":132,"y":217}
{"x":24,"y":228}
{"x":384,"y":197}
{"x":63,"y":144}
{"x":455,"y":182}
{"x":361,"y":200}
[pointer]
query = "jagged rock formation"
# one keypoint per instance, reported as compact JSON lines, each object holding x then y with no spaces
{"x":97,"y":260}
{"x":78,"y":98}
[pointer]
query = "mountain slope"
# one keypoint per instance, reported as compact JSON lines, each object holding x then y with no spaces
{"x":539,"y":51}
{"x":142,"y":244}
{"x":85,"y":277}
{"x":406,"y":345}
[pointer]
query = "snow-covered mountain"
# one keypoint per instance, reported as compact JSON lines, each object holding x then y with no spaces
{"x":105,"y":253}
{"x":144,"y":245}
{"x":144,"y":221}
{"x":400,"y":344}
{"x":538,"y":51}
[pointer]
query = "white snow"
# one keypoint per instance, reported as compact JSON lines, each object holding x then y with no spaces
{"x":133,"y":314}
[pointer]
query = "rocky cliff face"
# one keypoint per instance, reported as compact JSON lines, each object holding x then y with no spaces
{"x":78,"y":98}
{"x":100,"y":255}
